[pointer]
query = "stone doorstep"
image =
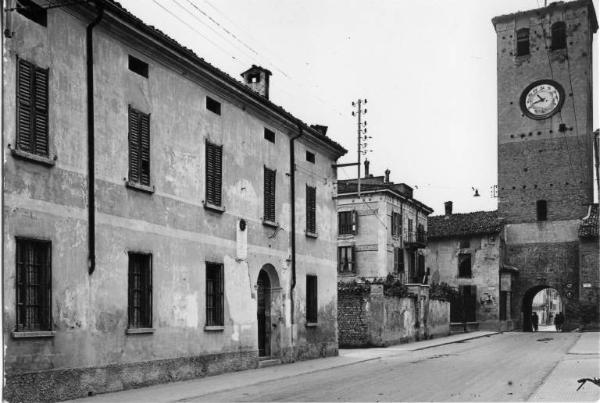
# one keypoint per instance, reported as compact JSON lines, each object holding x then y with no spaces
{"x":265,"y":362}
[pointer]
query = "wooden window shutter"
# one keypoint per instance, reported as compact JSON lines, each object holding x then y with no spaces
{"x":32,"y":108}
{"x":145,"y":149}
{"x":214,"y":173}
{"x":311,"y":209}
{"x":139,"y":147}
{"x":269,"y":194}
{"x":134,"y":151}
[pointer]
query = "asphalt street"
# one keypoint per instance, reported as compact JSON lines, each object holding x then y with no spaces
{"x":503,"y":367}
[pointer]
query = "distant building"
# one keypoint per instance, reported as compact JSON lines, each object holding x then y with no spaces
{"x":162,"y":220}
{"x":545,"y":156}
{"x":463,"y":251}
{"x":381,"y":232}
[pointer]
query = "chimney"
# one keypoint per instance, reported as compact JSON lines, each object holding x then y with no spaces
{"x":320,"y":128}
{"x":448,"y":207}
{"x":257,"y":78}
{"x":367,"y":168}
{"x":387,"y":176}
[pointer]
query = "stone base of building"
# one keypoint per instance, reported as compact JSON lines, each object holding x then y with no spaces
{"x":63,"y":384}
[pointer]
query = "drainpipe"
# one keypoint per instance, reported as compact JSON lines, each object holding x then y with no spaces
{"x":293,"y":222}
{"x":90,"y":140}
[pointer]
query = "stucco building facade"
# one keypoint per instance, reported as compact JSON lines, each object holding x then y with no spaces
{"x":545,"y":153}
{"x":162,"y":220}
{"x":463,"y":251}
{"x":383,"y":231}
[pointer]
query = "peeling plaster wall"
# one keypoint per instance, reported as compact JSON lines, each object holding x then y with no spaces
{"x":89,"y":312}
{"x":442,"y":258}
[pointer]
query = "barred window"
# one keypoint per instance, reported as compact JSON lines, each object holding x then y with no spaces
{"x":347,"y":222}
{"x":140,"y":290}
{"x":214,"y":173}
{"x":346,"y":259}
{"x":214,"y":294}
{"x":32,"y":108}
{"x":34,"y":285}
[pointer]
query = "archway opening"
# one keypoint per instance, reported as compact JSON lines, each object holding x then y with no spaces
{"x":268,"y":311}
{"x":542,"y":310}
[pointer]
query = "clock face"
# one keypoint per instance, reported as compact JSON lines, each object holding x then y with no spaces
{"x":542,"y":99}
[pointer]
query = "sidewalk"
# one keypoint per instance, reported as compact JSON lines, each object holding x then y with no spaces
{"x":202,"y":386}
{"x":582,"y":361}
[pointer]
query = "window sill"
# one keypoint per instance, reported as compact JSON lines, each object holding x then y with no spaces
{"x":311,"y":324}
{"x":346,"y":236}
{"x":140,"y":187}
{"x":311,"y":234}
{"x":346,"y":274}
{"x":38,"y":159}
{"x":214,"y":328}
{"x":214,"y":207}
{"x":270,"y":223}
{"x":140,"y":330}
{"x":33,"y":335}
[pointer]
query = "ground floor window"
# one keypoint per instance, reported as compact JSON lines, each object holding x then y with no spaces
{"x":34,"y":282}
{"x":346,"y":259}
{"x":311,"y":299}
{"x":140,"y":290}
{"x":214,"y":294}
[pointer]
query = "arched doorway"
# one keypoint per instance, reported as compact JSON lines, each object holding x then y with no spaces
{"x":268,"y":312}
{"x":546,"y":303}
{"x":264,"y":314}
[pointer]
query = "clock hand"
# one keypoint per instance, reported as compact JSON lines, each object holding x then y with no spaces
{"x":541,"y":99}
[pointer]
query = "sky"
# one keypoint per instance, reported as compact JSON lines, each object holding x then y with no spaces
{"x":427,"y":69}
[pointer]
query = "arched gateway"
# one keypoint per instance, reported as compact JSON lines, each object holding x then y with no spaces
{"x":547,"y":304}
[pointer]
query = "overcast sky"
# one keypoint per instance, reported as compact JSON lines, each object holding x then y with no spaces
{"x":427,"y":69}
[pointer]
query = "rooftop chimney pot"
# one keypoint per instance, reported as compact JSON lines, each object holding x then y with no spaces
{"x":448,"y":207}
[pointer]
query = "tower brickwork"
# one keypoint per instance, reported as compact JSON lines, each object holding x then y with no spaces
{"x":545,"y":137}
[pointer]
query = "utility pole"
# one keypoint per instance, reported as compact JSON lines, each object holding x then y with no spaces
{"x":361,"y":128}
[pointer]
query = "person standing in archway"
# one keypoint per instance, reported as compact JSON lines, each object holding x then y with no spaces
{"x":534,"y":321}
{"x":559,"y":319}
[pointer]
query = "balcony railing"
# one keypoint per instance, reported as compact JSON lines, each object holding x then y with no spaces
{"x":417,"y":239}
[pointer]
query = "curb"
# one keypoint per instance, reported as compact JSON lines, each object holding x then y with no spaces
{"x":456,"y":341}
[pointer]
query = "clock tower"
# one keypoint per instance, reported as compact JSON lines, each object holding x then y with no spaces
{"x":545,"y":143}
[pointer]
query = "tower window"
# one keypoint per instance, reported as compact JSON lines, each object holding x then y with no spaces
{"x":542,"y":210}
{"x":310,"y":157}
{"x":559,"y":37}
{"x":523,"y":42}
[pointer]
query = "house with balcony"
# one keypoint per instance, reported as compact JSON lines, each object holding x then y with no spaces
{"x":162,"y":220}
{"x":381,"y":230}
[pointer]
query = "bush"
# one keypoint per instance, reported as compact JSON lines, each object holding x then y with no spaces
{"x":442,"y":292}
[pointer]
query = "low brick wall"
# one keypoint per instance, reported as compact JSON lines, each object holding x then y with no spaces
{"x":372,"y":319}
{"x":63,"y":384}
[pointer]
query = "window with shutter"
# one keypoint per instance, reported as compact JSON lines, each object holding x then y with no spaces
{"x":346,"y":222}
{"x":139,"y":147}
{"x":396,"y":224}
{"x":214,"y":294}
{"x":214,"y":173}
{"x":32,"y":108}
{"x":269,"y":195}
{"x":311,"y":299}
{"x":311,"y":209}
{"x":140,"y":290}
{"x":34,"y":285}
